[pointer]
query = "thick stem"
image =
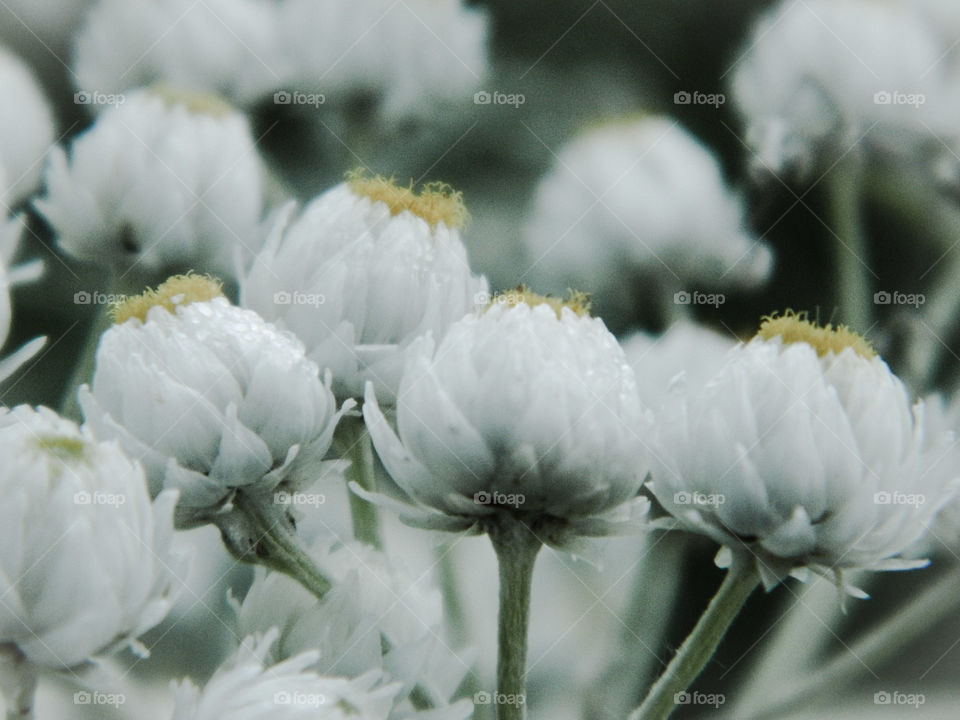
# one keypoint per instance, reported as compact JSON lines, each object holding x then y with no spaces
{"x":935,"y":604}
{"x":355,"y":441}
{"x":701,"y":644}
{"x":85,"y":364}
{"x":845,"y":188}
{"x":516,"y":548}
{"x":18,"y":682}
{"x":260,"y":537}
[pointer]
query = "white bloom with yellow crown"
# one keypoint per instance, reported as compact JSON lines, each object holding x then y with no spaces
{"x":247,"y":686}
{"x":225,"y":47}
{"x":821,"y":78}
{"x":164,"y":182}
{"x":209,"y":397}
{"x":639,"y":199}
{"x":804,"y":450}
{"x":528,"y":408}
{"x":367,"y":267}
{"x":377,"y":616}
{"x":86,"y":566}
{"x":27,"y":129}
{"x":411,"y":56}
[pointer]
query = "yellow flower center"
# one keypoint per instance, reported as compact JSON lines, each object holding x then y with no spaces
{"x":794,"y":327}
{"x":578,"y":302}
{"x":198,"y":103}
{"x":437,"y":202}
{"x":63,"y":447}
{"x":178,"y":291}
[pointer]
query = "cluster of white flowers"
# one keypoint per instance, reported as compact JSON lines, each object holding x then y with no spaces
{"x":261,"y":352}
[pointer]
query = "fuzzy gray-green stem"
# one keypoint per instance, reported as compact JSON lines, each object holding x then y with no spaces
{"x":516,"y":547}
{"x":702,"y":642}
{"x":355,"y":442}
{"x":845,"y":185}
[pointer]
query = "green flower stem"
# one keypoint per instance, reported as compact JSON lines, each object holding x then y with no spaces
{"x":19,"y":684}
{"x":86,"y":363}
{"x":516,"y":548}
{"x":355,"y":442}
{"x":936,"y":603}
{"x":264,"y":538}
{"x":845,"y":185}
{"x":700,"y":644}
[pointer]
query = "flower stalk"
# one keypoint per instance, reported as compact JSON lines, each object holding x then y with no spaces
{"x":516,"y":547}
{"x":355,"y":441}
{"x":702,"y":642}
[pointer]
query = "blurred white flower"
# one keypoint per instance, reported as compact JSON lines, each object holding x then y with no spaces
{"x":41,"y":30}
{"x":224,"y":47}
{"x":246,"y":687}
{"x":365,"y":269}
{"x":804,"y":449}
{"x":821,"y":76}
{"x":375,"y":617}
{"x":639,"y":200}
{"x":209,"y":397}
{"x":528,"y":409}
{"x":410,"y":56}
{"x":162,"y":183}
{"x":27,"y":129}
{"x":686,"y":353}
{"x":86,"y":566}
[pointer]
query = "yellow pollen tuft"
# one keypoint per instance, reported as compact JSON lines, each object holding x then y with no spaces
{"x":578,"y":302}
{"x":178,"y":291}
{"x":794,"y":327}
{"x":63,"y":447}
{"x":198,"y":103}
{"x":436,"y":203}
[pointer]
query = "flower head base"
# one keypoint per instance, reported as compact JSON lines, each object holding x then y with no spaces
{"x":436,"y":203}
{"x":517,"y":410}
{"x":88,"y":555}
{"x":177,"y":291}
{"x":794,"y":327}
{"x":793,"y":451}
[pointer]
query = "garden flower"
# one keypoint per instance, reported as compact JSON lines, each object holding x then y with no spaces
{"x":27,"y":128}
{"x":410,"y":56}
{"x":367,"y":267}
{"x":639,"y":200}
{"x":819,"y":77}
{"x":224,"y":47}
{"x":86,"y":566}
{"x":163,"y":182}
{"x":803,"y":449}
{"x":210,"y":397}
{"x":376,"y":617}
{"x":528,"y":408}
{"x":246,"y":687}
